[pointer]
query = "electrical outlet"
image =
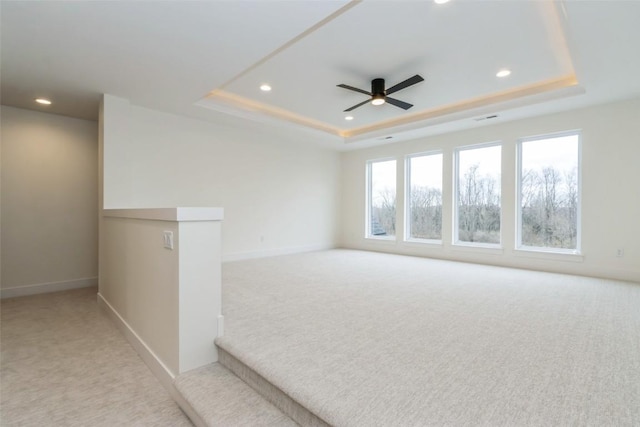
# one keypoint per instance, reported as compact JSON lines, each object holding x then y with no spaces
{"x":168,"y":239}
{"x":620,"y":252}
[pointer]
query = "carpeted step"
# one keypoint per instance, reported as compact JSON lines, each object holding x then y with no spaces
{"x":270,"y":391}
{"x":220,"y":398}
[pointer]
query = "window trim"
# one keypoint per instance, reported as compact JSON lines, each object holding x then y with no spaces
{"x":542,"y":249}
{"x":456,"y":183}
{"x":407,"y":197}
{"x":368,"y":198}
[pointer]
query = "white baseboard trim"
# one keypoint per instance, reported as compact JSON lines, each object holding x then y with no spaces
{"x":240,"y":256}
{"x":157,"y":367}
{"x":45,"y":288}
{"x":576,"y":265}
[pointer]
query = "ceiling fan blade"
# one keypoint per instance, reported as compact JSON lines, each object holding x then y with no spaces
{"x":354,"y":89}
{"x":357,"y":105}
{"x":410,"y":81}
{"x":398,"y":103}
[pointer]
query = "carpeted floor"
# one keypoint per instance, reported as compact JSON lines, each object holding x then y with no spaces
{"x":367,"y":339}
{"x":64,"y":363}
{"x":222,"y":399}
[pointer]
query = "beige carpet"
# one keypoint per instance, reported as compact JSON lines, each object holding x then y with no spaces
{"x":222,"y":399}
{"x":64,"y":363}
{"x":366,"y":339}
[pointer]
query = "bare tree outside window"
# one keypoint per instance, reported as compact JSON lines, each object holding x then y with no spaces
{"x":549,"y":192}
{"x":478,"y":206}
{"x":382,"y":198}
{"x":424,"y":198}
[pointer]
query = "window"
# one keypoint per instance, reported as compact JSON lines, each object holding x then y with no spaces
{"x":477,"y":209}
{"x":424,"y":197}
{"x":381,"y":203}
{"x":549,"y":192}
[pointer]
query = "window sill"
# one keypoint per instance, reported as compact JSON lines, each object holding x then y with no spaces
{"x":387,"y":239}
{"x":478,"y":248}
{"x":423,"y":243}
{"x":548,"y":255}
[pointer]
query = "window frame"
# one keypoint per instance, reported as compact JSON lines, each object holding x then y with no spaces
{"x":455,"y":196}
{"x":407,"y":197}
{"x":368,"y":199}
{"x":518,"y":232}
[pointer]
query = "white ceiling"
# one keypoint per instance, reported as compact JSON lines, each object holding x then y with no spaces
{"x":208,"y":59}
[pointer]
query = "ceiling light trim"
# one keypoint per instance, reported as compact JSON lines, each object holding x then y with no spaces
{"x":558,"y":31}
{"x":231,"y":103}
{"x":293,"y":41}
{"x":244,"y":104}
{"x":469,"y":104}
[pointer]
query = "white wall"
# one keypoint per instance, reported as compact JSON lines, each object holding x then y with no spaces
{"x":49,"y":202}
{"x":167,"y":301}
{"x":610,"y":192}
{"x":278,"y":195}
{"x":139,"y":279}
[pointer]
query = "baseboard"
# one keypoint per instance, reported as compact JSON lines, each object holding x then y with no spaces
{"x":576,"y":265}
{"x":159,"y":369}
{"x":240,"y":256}
{"x":45,"y":288}
{"x":155,"y":365}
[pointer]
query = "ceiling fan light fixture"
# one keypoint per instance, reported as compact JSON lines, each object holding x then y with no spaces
{"x":265,"y":87}
{"x":377,"y":100}
{"x":348,"y":118}
{"x":379,"y":94}
{"x":43,"y":101}
{"x":503,"y":72}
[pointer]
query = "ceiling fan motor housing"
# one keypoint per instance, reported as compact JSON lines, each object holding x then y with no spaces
{"x":377,"y":87}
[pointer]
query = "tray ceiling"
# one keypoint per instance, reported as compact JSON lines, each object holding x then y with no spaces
{"x":458,"y":47}
{"x":206,"y":60}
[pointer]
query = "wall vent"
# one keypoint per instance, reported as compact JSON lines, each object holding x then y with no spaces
{"x":492,"y":116}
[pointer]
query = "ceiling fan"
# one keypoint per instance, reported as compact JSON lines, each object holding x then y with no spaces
{"x":379,"y":95}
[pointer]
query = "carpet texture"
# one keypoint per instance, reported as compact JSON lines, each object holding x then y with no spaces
{"x":64,"y":363}
{"x":222,"y":399}
{"x":367,"y":339}
{"x":271,"y":393}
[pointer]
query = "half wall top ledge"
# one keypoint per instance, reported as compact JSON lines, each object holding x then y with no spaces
{"x":179,"y":214}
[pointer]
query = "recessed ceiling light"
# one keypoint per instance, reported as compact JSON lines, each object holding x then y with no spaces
{"x":440,"y":1}
{"x":43,"y":101}
{"x":265,"y":88}
{"x":348,"y":118}
{"x":503,"y":73}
